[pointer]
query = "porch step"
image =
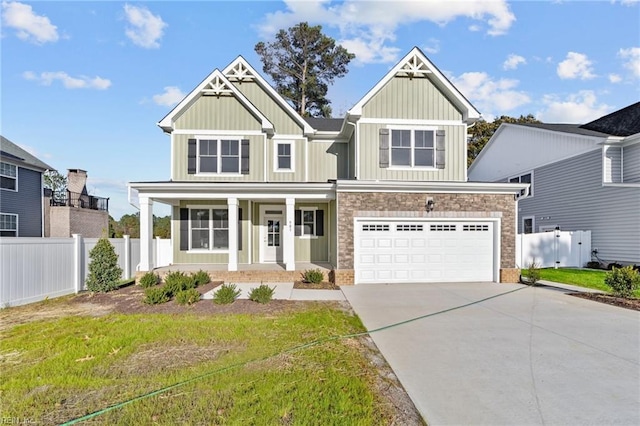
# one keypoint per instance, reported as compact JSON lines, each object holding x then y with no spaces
{"x":256,"y":276}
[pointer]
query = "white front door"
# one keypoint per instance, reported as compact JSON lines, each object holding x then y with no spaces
{"x":271,"y":248}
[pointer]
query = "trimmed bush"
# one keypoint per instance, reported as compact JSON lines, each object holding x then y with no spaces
{"x":104,"y":272}
{"x":156,"y":295}
{"x":623,"y":281}
{"x":314,"y":276}
{"x":177,"y":281}
{"x":149,"y":280}
{"x":227,"y":293}
{"x":188,"y":297}
{"x":201,"y":278}
{"x":262,"y":294}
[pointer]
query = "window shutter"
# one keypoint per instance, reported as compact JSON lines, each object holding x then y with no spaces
{"x":384,"y":148}
{"x":298,"y":223}
{"x":191,"y":157}
{"x":239,"y":229}
{"x":440,"y":149}
{"x":319,"y":223}
{"x":244,"y":157}
{"x":184,"y":229}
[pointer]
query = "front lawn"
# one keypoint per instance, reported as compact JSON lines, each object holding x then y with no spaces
{"x":589,"y":278}
{"x":56,"y":370}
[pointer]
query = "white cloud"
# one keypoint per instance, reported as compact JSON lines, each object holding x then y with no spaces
{"x":171,"y":96}
{"x":145,"y":29}
{"x":30,"y":27}
{"x":631,"y":56}
{"x":81,"y":82}
{"x":615,"y":78}
{"x":578,"y":108}
{"x":577,"y":65}
{"x":513,"y":61}
{"x":367,"y":28}
{"x":626,"y":2}
{"x":432,"y":47}
{"x":492,"y":97}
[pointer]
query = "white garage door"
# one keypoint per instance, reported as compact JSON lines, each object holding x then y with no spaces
{"x":396,"y":251}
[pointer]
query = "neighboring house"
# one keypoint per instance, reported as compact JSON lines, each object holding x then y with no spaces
{"x":74,"y":211}
{"x":583,"y":177}
{"x":379,"y":196}
{"x":21,"y":207}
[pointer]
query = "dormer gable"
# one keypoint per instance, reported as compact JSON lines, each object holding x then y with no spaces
{"x":216,"y":84}
{"x":416,"y":65}
{"x":240,"y":71}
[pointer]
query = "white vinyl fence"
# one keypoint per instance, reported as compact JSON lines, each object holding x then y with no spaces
{"x":34,"y":269}
{"x":554,"y":249}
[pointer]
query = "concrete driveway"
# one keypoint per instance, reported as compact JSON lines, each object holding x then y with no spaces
{"x":535,"y":356}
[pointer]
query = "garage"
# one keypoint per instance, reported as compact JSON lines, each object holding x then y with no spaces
{"x":397,"y":250}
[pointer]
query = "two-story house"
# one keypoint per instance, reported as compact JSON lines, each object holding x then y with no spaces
{"x":21,"y":185}
{"x":583,"y":177}
{"x":378,"y":196}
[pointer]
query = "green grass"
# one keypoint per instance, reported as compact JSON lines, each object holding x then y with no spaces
{"x":57,"y":370}
{"x":588,"y":278}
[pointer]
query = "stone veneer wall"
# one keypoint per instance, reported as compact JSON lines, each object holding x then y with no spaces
{"x":354,"y":204}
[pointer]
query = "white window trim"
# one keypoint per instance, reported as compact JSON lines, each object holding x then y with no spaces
{"x":291,"y":143}
{"x":302,"y":235}
{"x":519,"y":176}
{"x":533,"y":223}
{"x":219,"y":139}
{"x":11,"y":177}
{"x":17,"y":223}
{"x":211,"y":249}
{"x":413,"y":129}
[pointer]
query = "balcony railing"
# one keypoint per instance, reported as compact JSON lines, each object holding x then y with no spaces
{"x":83,"y":201}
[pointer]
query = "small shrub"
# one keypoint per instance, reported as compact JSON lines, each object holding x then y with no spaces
{"x":623,"y":281}
{"x":177,"y":281}
{"x":149,"y":280}
{"x":188,"y":297}
{"x":314,"y":276}
{"x":614,"y":265}
{"x":227,"y":293}
{"x":104,"y":272}
{"x":533,"y":272}
{"x":201,"y":278}
{"x":262,"y":294}
{"x":594,"y":265}
{"x":156,"y":295}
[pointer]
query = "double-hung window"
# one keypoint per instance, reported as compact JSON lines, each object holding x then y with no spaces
{"x":8,"y":177}
{"x":218,"y":156}
{"x":309,"y":222}
{"x":209,"y":228}
{"x":412,"y":148}
{"x":283,"y":159}
{"x":525,"y":178}
{"x":8,"y":225}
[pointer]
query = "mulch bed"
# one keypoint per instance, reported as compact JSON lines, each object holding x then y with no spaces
{"x":324,"y":285}
{"x":621,"y":302}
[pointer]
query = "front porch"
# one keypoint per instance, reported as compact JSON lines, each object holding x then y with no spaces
{"x":257,"y":272}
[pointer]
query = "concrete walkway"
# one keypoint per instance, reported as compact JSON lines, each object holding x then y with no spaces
{"x":285,"y":291}
{"x":532,"y":357}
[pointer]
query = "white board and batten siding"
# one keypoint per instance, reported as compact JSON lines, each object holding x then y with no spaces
{"x":570,"y":194}
{"x":401,"y":250}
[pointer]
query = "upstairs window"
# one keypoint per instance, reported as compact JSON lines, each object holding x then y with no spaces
{"x":8,"y":225}
{"x":8,"y":177}
{"x":413,"y":148}
{"x":525,"y":178}
{"x":283,"y":159}
{"x":219,"y":156}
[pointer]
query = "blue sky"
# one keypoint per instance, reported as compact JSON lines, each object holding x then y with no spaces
{"x":83,"y":84}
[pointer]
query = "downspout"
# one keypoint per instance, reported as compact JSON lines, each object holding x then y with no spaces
{"x":355,"y":155}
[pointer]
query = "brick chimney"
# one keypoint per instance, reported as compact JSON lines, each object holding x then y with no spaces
{"x":77,"y":180}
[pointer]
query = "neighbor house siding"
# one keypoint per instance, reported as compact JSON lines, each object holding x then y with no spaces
{"x":570,"y":194}
{"x":455,"y":157}
{"x":256,"y":161}
{"x":26,"y":202}
{"x":416,"y":99}
{"x":283,"y":123}
{"x":631,"y":163}
{"x":212,"y":112}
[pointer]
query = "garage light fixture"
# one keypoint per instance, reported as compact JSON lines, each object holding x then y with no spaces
{"x":430,"y":204}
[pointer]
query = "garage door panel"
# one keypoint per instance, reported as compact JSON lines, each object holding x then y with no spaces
{"x":384,"y":243}
{"x":401,"y":258}
{"x":384,"y":258}
{"x":401,"y":243}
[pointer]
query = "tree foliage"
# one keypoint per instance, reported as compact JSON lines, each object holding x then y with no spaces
{"x":54,"y":181}
{"x":302,"y":62}
{"x":129,"y":224}
{"x":104,"y":272}
{"x":482,"y":131}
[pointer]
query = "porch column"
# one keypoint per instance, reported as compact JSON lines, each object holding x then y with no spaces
{"x":146,"y":234}
{"x":233,"y":234}
{"x":288,"y":253}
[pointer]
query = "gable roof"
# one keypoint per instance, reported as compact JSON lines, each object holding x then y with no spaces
{"x":215,"y":84}
{"x":240,"y":69}
{"x":624,"y":122}
{"x":564,"y":128}
{"x":11,"y":151}
{"x":416,"y":63}
{"x":322,"y":124}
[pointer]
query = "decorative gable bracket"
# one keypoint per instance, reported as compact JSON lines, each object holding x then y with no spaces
{"x":217,"y":87}
{"x":239,"y":72}
{"x":414,"y":67}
